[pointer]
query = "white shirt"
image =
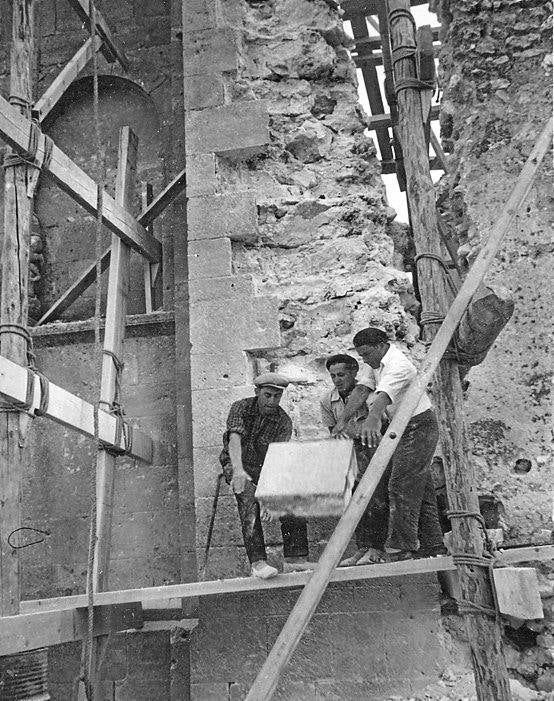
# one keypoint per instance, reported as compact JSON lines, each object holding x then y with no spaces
{"x":333,"y":406}
{"x":393,"y":377}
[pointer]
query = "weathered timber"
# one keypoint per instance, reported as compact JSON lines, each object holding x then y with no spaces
{"x":290,"y":635}
{"x":67,"y":409}
{"x":373,"y":89}
{"x":437,"y":148}
{"x":14,"y":303}
{"x":111,"y":48}
{"x":116,"y":307}
{"x":45,"y":104}
{"x":29,"y":631}
{"x":149,"y":274}
{"x":154,"y":209}
{"x":150,"y":596}
{"x":367,"y":7}
{"x":15,"y":130}
{"x":484,"y":634}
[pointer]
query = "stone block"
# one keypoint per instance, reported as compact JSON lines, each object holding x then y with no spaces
{"x":379,"y":687}
{"x":220,"y":370}
{"x":199,"y":14}
{"x":209,"y":691}
{"x":207,"y":51}
{"x":233,"y":215}
{"x":241,"y":646}
{"x":141,"y":487}
{"x":210,"y":409}
{"x":223,"y":287}
{"x":201,"y":91}
{"x":226,"y":530}
{"x":225,"y":562}
{"x":246,"y":326}
{"x":237,"y":131}
{"x":206,"y":470}
{"x":211,"y":258}
{"x":413,"y":642}
{"x":141,"y":534}
{"x":201,"y":177}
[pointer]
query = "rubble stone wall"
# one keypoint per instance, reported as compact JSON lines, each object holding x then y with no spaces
{"x":496,"y":65}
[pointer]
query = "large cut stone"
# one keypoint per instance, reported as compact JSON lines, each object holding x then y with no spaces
{"x":312,"y":478}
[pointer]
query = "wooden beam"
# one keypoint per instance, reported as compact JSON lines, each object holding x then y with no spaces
{"x":218,"y":587}
{"x":14,"y":303}
{"x":304,"y":608}
{"x":372,"y":43}
{"x":75,"y":290}
{"x":368,"y":7}
{"x":29,"y":631}
{"x":389,"y":167}
{"x":111,"y":48}
{"x":67,"y":409}
{"x":116,"y":310}
{"x":371,"y":82}
{"x":149,"y":273}
{"x":15,"y":130}
{"x":154,"y":209}
{"x":439,"y":153}
{"x":67,"y":75}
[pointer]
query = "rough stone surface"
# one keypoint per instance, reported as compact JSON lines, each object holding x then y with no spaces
{"x":496,"y":64}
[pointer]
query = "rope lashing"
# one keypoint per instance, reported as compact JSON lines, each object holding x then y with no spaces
{"x":29,"y":155}
{"x":123,"y":429}
{"x":486,"y":560}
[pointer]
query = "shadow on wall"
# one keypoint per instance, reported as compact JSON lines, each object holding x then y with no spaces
{"x":70,"y":232}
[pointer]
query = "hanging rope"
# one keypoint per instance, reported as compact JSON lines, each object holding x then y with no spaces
{"x":87,"y":652}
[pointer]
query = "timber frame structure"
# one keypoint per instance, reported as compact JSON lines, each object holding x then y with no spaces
{"x":29,"y":625}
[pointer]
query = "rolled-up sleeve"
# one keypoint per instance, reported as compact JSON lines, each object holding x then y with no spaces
{"x":366,"y":377}
{"x":327,"y":416}
{"x":395,"y":377}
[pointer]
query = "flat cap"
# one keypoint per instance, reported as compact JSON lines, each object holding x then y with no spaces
{"x":271,"y":379}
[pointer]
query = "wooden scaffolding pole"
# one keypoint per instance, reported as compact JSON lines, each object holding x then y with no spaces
{"x":18,"y":205}
{"x":484,"y":632}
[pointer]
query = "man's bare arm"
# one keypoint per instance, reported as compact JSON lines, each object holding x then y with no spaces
{"x":235,"y":453}
{"x":371,"y":428}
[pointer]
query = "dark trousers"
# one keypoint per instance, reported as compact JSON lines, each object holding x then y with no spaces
{"x":413,"y":517}
{"x":294,"y":530}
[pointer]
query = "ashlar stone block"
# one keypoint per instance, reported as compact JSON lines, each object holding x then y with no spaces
{"x":209,"y":51}
{"x":233,"y":215}
{"x":210,"y":258}
{"x":237,"y":131}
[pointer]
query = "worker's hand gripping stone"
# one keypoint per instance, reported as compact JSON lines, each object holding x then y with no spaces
{"x":238,"y":481}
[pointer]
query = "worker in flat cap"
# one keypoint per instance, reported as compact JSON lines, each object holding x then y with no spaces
{"x":253,"y":424}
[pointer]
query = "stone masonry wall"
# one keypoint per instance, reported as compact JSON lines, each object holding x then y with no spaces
{"x":496,"y":63}
{"x":290,"y":251}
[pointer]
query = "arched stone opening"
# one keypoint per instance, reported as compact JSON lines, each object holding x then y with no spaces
{"x":70,"y":232}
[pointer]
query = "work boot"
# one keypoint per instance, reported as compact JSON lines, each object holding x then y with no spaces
{"x":262,"y":570}
{"x":297,"y":564}
{"x":353,"y":560}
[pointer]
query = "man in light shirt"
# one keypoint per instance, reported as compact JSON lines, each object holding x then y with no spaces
{"x":413,"y":521}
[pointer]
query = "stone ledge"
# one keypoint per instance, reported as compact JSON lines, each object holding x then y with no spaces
{"x":137,"y":325}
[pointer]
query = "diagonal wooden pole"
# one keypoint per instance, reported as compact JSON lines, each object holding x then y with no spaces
{"x":14,"y":305}
{"x":289,"y":637}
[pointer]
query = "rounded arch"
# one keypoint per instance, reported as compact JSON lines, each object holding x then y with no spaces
{"x":70,"y":231}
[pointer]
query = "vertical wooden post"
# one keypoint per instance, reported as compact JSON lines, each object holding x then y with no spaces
{"x":491,"y":676}
{"x":150,"y":269}
{"x":14,"y":303}
{"x":116,"y":306}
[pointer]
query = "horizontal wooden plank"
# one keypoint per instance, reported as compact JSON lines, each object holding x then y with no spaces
{"x":372,"y":43}
{"x":15,"y":129}
{"x":69,"y":410}
{"x":389,"y":167}
{"x":111,"y":49}
{"x":67,"y":75}
{"x":283,"y":581}
{"x":29,"y":631}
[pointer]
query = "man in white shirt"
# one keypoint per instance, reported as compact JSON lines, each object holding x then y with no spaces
{"x":371,"y":531}
{"x":413,"y":505}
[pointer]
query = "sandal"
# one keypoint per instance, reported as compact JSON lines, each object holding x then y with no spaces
{"x":399,"y":556}
{"x":372,"y":556}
